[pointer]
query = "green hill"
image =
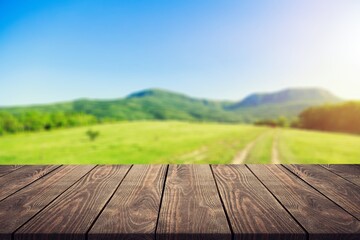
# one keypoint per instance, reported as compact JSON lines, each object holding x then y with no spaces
{"x":161,"y":104}
{"x":157,"y":104}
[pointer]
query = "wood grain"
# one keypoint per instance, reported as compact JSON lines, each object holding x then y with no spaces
{"x":8,"y":169}
{"x":341,"y":191}
{"x":133,"y":211}
{"x":253,"y":212}
{"x":349,"y":172}
{"x":320,"y":217}
{"x":191,"y":207}
{"x":71,"y":215}
{"x":23,"y":205}
{"x":113,"y":202}
{"x":16,"y":180}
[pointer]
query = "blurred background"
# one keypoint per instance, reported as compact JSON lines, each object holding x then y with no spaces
{"x":179,"y":81}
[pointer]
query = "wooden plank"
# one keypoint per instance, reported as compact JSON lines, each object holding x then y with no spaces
{"x":5,"y":169}
{"x":191,"y":207}
{"x":16,"y":180}
{"x":349,"y":172}
{"x":320,"y":217}
{"x":23,"y":205}
{"x":342,"y":192}
{"x":253,"y":212}
{"x":71,"y":215}
{"x":133,"y":210}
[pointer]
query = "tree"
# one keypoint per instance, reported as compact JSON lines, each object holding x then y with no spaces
{"x":58,"y":120}
{"x":80,"y":119}
{"x":92,"y":134}
{"x":32,"y":121}
{"x":282,"y":122}
{"x":8,"y":123}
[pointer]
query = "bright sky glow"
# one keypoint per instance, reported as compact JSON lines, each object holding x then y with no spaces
{"x":62,"y":50}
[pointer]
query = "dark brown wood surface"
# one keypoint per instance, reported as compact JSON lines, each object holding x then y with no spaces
{"x":8,"y":169}
{"x":341,"y":191}
{"x":321,"y":218}
{"x":72,"y":214}
{"x":133,"y":211}
{"x":350,"y":172}
{"x":251,"y":208}
{"x":23,"y":205}
{"x":191,"y":207}
{"x":16,"y":180}
{"x":179,"y":202}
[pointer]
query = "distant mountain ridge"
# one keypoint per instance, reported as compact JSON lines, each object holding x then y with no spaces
{"x":154,"y":92}
{"x":161,"y":104}
{"x":288,"y":103}
{"x":294,"y":95}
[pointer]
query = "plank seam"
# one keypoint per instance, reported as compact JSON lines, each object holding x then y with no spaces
{"x":293,"y":217}
{"x":222,"y":203}
{"x":161,"y":200}
{"x":338,"y":174}
{"x":13,"y":234}
{"x":107,"y":202}
{"x":283,"y":167}
{"x":30,"y":183}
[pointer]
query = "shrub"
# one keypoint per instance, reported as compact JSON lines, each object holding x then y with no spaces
{"x":92,"y":134}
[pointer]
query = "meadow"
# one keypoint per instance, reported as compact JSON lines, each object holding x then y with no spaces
{"x":178,"y":142}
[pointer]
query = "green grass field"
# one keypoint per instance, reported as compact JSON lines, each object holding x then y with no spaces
{"x":177,"y":142}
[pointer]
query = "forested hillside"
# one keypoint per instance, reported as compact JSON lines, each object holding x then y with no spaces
{"x":156,"y":104}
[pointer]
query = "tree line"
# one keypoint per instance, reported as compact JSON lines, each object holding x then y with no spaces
{"x":37,"y":121}
{"x":279,"y":122}
{"x":343,"y":117}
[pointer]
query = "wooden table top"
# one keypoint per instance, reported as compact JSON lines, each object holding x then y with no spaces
{"x":180,"y":202}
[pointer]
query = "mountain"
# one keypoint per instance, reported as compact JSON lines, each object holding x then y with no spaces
{"x":161,"y":104}
{"x":288,"y":96}
{"x":143,"y":105}
{"x":288,"y":102}
{"x":157,"y":104}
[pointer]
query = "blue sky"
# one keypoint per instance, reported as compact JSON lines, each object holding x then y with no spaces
{"x":62,"y":50}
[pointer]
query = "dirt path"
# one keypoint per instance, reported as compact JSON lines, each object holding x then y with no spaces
{"x":274,"y":151}
{"x":194,"y":156}
{"x":241,"y":156}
